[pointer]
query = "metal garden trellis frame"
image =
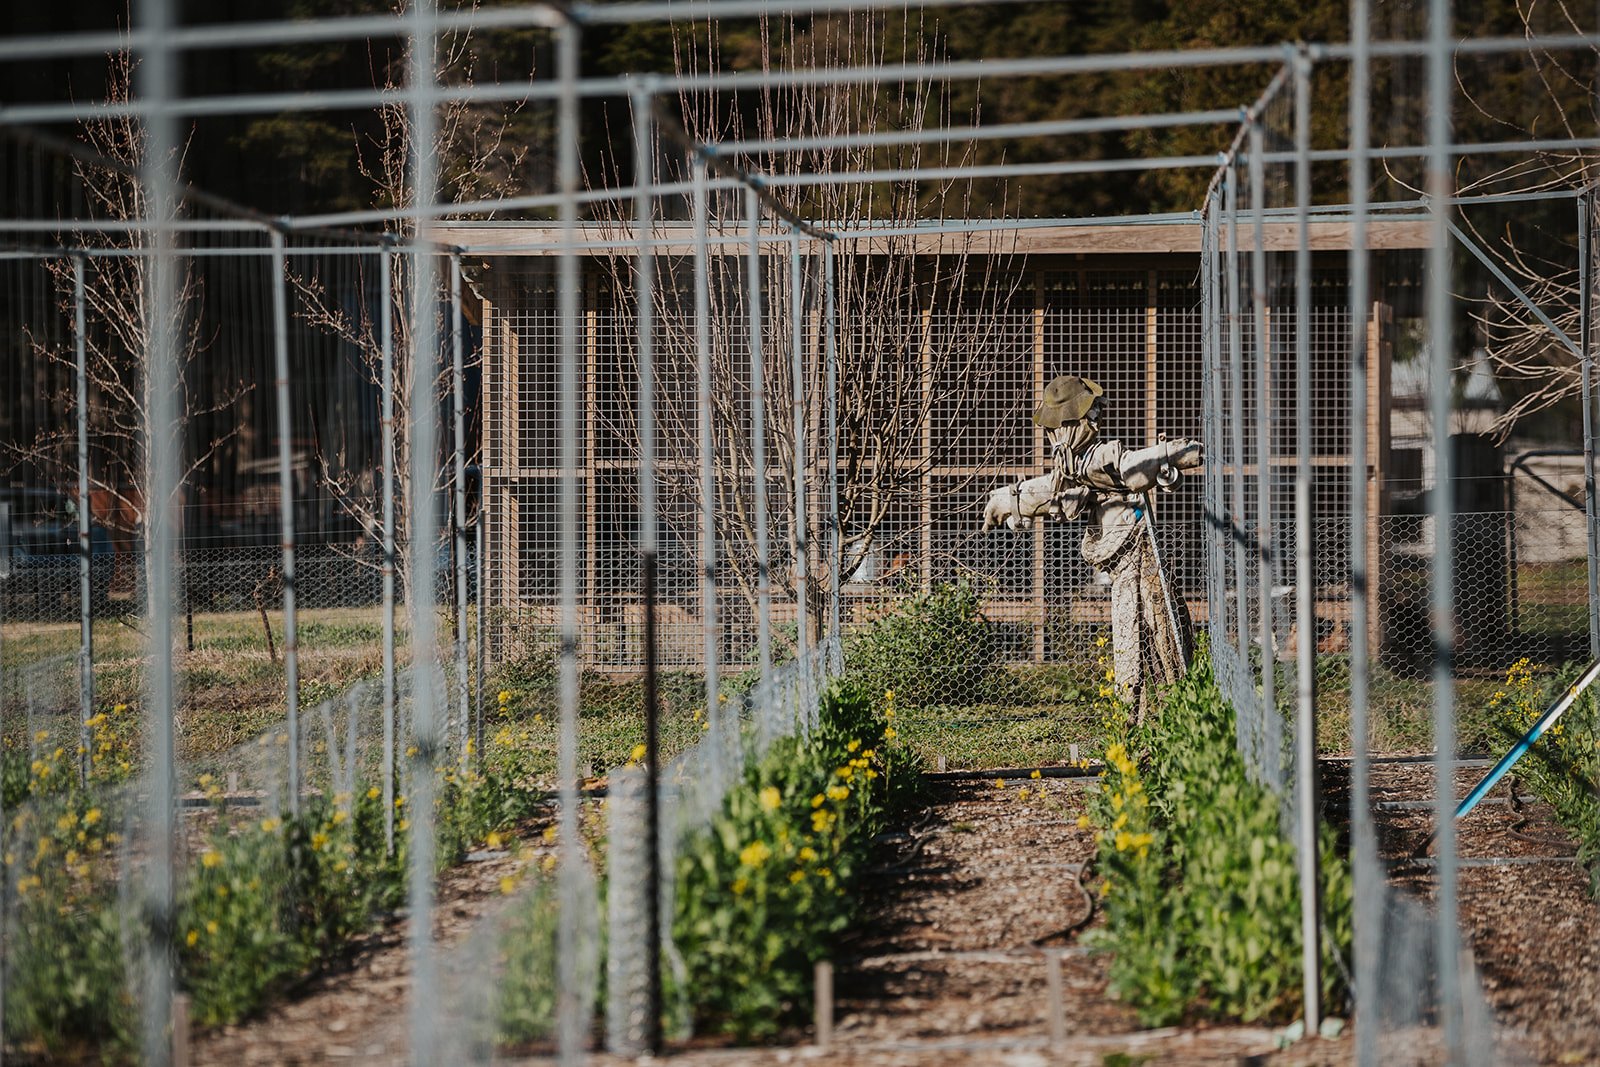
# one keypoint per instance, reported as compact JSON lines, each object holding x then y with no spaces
{"x":160,"y":105}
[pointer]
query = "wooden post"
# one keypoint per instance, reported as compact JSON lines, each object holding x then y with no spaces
{"x":1055,"y":1010}
{"x":824,"y":1003}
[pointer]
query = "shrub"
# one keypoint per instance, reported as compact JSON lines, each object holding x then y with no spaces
{"x":1201,"y":888}
{"x":934,"y":647}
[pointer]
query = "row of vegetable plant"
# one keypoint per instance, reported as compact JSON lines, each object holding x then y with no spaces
{"x":262,"y":899}
{"x":1200,"y":886}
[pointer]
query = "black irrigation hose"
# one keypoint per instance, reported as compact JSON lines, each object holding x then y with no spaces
{"x":1554,"y":842}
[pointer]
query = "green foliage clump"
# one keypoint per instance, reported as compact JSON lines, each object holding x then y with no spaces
{"x":934,"y":647}
{"x":1563,"y":766}
{"x":1201,"y":888}
{"x":762,"y":892}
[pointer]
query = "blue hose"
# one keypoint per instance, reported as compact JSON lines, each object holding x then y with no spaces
{"x":1520,"y":749}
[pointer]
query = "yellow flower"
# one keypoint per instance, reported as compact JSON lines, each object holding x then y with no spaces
{"x":505,"y":696}
{"x":816,"y":801}
{"x":373,"y":793}
{"x":770,"y":798}
{"x":1022,"y":794}
{"x":1083,"y":822}
{"x":823,"y":872}
{"x":838,"y":792}
{"x":194,"y":935}
{"x":808,"y":854}
{"x":318,"y":840}
{"x":1100,"y":642}
{"x":492,"y":842}
{"x":845,"y":772}
{"x":269,"y":825}
{"x":1121,"y":821}
{"x":853,"y":745}
{"x":888,"y":713}
{"x":507,"y":885}
{"x":211,"y":926}
{"x":210,"y":858}
{"x":890,"y":733}
{"x":637,"y":754}
{"x":998,"y":784}
{"x":1036,"y":774}
{"x":740,"y":885}
{"x":405,"y":824}
{"x":796,"y":876}
{"x":222,"y":890}
{"x":755,"y":854}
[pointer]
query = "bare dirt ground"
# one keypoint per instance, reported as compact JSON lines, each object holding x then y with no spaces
{"x":948,"y":965}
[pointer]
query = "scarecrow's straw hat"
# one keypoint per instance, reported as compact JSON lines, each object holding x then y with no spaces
{"x":1066,"y":399}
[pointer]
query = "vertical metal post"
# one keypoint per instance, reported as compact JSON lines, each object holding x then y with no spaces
{"x":291,"y":657}
{"x":708,"y":471}
{"x":85,"y":535}
{"x":1369,"y":885}
{"x":1305,"y":598}
{"x":571,"y":1035}
{"x":831,"y":341}
{"x":157,"y":81}
{"x":1586,"y":328}
{"x":644,"y":186}
{"x":758,"y":440}
{"x":480,"y":621}
{"x":1271,"y":758}
{"x":1441,"y":74}
{"x":386,"y":343}
{"x":421,"y":501}
{"x":459,"y":545}
{"x":797,"y":405}
{"x":1236,"y":508}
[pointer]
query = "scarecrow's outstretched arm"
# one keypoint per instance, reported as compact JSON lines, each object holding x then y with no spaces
{"x":1015,"y":506}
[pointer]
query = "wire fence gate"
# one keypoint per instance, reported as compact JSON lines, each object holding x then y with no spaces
{"x":681,"y":362}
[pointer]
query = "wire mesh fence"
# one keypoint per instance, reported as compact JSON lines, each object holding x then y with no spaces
{"x":795,"y":434}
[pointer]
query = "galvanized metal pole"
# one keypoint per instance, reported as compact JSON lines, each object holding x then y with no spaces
{"x":457,"y":390}
{"x":1270,"y":755}
{"x":758,"y":440}
{"x":1368,"y":880}
{"x":478,"y":583}
{"x":424,"y":453}
{"x":571,"y":1022}
{"x":291,"y":645}
{"x":831,"y":341}
{"x":85,"y":534}
{"x":156,"y":84}
{"x":644,"y":209}
{"x":1305,"y":596}
{"x":1236,"y":505}
{"x":708,"y":470}
{"x":1586,"y":347}
{"x":1441,"y":75}
{"x":386,"y":344}
{"x":798,"y":511}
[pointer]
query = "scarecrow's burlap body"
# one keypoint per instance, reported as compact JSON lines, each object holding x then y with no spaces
{"x":1146,"y":651}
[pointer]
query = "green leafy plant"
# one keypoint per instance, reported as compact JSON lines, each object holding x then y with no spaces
{"x":763,"y":892}
{"x":1562,"y":768}
{"x":932,"y":647}
{"x":1201,"y":887}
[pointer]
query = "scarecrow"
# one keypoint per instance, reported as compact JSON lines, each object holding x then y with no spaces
{"x":1101,"y":480}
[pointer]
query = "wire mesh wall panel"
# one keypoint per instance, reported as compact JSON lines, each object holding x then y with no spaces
{"x":911,"y":485}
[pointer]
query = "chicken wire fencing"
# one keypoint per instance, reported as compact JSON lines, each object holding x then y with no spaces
{"x":847,"y":500}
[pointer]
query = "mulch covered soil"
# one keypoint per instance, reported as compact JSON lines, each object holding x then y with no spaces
{"x":949,"y":965}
